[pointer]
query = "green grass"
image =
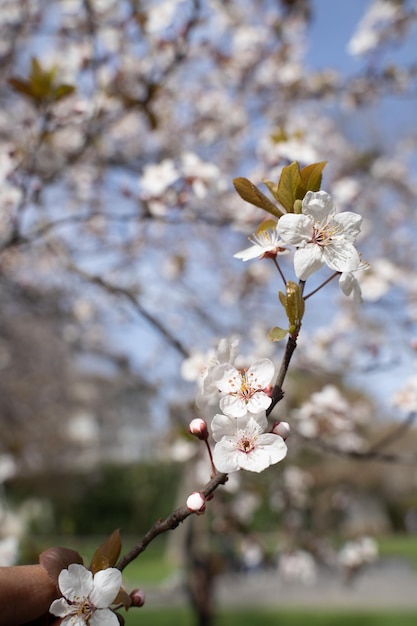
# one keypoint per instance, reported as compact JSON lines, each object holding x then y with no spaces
{"x":182,"y":617}
{"x":404,"y":546}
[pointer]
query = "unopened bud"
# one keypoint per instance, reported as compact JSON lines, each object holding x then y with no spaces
{"x":196,"y":503}
{"x":282,"y":429}
{"x":138,"y":597}
{"x":198,"y":428}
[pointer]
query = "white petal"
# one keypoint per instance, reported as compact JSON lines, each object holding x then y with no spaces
{"x":75,"y":582}
{"x":227,"y":426}
{"x":319,"y":204}
{"x":253,"y":252}
{"x":346,"y":282}
{"x":295,"y":228}
{"x":259,"y":402}
{"x":233,"y":406}
{"x":226,"y":378}
{"x":104,"y":617}
{"x":73,"y":620}
{"x":106,"y":586}
{"x":341,"y":256}
{"x":307,"y":260}
{"x":261,"y":373}
{"x":60,"y":608}
{"x":351,"y":223}
{"x":225,"y":456}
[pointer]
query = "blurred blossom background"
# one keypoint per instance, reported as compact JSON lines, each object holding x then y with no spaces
{"x":122,"y":125}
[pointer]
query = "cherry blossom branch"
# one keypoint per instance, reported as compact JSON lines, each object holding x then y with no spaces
{"x":128,"y":295}
{"x":277,"y":392}
{"x":170,"y":523}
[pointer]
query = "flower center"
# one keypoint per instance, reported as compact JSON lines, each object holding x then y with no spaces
{"x":248,"y":386}
{"x":83,"y":609}
{"x":324,"y":233}
{"x":245,"y":441}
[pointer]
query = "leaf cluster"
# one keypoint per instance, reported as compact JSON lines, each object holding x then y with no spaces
{"x":293,"y":185}
{"x":41,"y":86}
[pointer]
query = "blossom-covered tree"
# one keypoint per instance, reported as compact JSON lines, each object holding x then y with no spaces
{"x":124,"y":124}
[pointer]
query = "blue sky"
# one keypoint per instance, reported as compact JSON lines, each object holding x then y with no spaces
{"x":334,"y":22}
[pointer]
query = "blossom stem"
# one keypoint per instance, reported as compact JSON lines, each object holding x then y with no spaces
{"x":322,"y":285}
{"x":274,"y":259}
{"x":213,"y":469}
{"x":277,"y":393}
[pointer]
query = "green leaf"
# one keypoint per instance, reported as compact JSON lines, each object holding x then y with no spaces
{"x":21,"y":86}
{"x":311,"y":176}
{"x":250,"y":193}
{"x":273,"y":188}
{"x":107,"y":553}
{"x":283,"y":299}
{"x":277,"y":334}
{"x":62,"y":91}
{"x":290,"y":186}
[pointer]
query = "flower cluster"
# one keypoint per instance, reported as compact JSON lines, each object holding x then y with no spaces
{"x":237,"y":400}
{"x":319,"y":235}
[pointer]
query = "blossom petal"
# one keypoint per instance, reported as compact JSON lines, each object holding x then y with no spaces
{"x":253,"y":252}
{"x":226,"y":378}
{"x":225,"y":456}
{"x":227,"y":426}
{"x":318,"y":204}
{"x":341,"y":257}
{"x":295,"y":228}
{"x":307,"y":260}
{"x":234,"y":406}
{"x":106,"y":586}
{"x":270,"y":449}
{"x":260,"y":373}
{"x":351,"y":224}
{"x":259,"y":402}
{"x":60,"y":608}
{"x":75,"y":582}
{"x":103,"y":617}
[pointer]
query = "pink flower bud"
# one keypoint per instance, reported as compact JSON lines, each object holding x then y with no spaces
{"x":138,"y":597}
{"x":196,"y":503}
{"x":282,"y":429}
{"x":198,"y":428}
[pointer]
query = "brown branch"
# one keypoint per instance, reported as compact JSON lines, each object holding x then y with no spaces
{"x":128,"y":295}
{"x":277,"y":392}
{"x":170,"y":523}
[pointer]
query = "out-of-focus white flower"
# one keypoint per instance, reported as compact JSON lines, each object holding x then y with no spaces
{"x":243,"y":444}
{"x":87,"y":598}
{"x":358,"y":552}
{"x":244,"y":390}
{"x":9,"y":550}
{"x":298,"y":565}
{"x":374,"y":26}
{"x":406,"y":397}
{"x":321,"y":236}
{"x":157,"y":177}
{"x":208,"y":395}
{"x":264,"y":243}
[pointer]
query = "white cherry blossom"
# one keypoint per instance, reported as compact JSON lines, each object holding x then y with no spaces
{"x":321,"y":236}
{"x":86,"y":597}
{"x":243,"y":444}
{"x":244,"y":390}
{"x":263,"y":243}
